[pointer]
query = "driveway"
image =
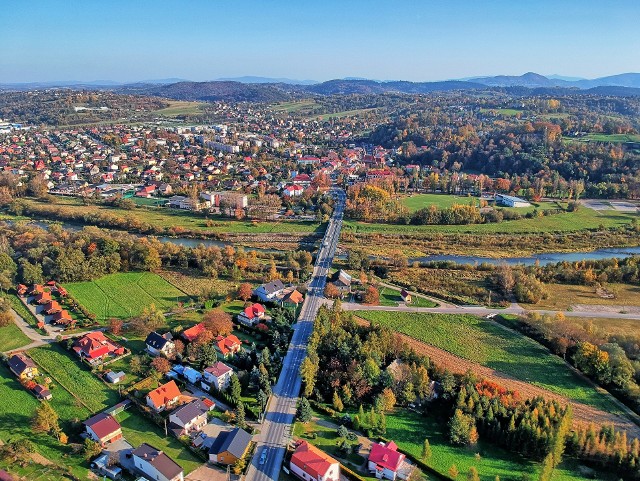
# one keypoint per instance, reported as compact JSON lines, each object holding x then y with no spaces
{"x":207,"y":472}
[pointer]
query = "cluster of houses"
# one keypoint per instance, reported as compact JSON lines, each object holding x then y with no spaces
{"x":186,"y":415}
{"x":310,"y":463}
{"x":47,"y":308}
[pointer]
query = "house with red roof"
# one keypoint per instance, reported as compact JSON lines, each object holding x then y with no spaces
{"x":163,"y":397}
{"x":302,"y":179}
{"x":95,"y":346}
{"x":312,"y":464}
{"x":193,"y":332}
{"x":293,"y":190}
{"x":228,"y":346}
{"x":385,"y":461}
{"x":251,"y":315}
{"x":103,"y":429}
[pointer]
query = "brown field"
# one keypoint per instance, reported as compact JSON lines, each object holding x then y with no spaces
{"x":562,"y":296}
{"x":581,"y":412}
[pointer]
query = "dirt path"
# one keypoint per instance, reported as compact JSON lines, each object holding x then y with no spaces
{"x":582,"y":413}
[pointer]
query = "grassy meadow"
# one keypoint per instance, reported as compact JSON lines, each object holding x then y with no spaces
{"x":493,"y":346}
{"x":125,"y":294}
{"x":11,"y":337}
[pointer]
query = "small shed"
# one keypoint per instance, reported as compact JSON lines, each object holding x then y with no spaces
{"x":114,"y":377}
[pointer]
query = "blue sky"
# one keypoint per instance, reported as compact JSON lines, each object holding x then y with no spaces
{"x":417,"y":40}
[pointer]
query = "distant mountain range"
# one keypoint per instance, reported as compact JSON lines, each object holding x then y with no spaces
{"x":533,"y":80}
{"x":265,"y":89}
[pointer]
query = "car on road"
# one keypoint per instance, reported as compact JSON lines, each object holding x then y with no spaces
{"x":263,"y":456}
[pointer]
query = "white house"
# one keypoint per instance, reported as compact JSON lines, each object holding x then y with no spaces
{"x":385,"y":461}
{"x":191,"y":417}
{"x":218,"y":375}
{"x":154,"y":465}
{"x":269,"y":291}
{"x":293,"y":190}
{"x":160,"y":344}
{"x":251,"y":315}
{"x":311,"y":464}
{"x":163,"y":397}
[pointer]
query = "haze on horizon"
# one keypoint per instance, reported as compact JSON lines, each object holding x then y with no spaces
{"x":399,"y":40}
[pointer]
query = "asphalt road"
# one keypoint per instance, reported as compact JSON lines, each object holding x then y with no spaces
{"x":275,"y":430}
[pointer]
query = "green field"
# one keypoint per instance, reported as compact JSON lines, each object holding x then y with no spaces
{"x":137,"y":430}
{"x":295,"y":105}
{"x":505,"y":112}
{"x":583,"y":219}
{"x":346,"y":113}
{"x":441,"y":201}
{"x":11,"y":337}
{"x":177,"y":107}
{"x":491,"y":345}
{"x":87,"y":390}
{"x":125,"y":294}
{"x":18,"y":407}
{"x":611,"y":138}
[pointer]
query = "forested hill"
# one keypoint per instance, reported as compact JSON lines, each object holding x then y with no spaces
{"x":277,"y":92}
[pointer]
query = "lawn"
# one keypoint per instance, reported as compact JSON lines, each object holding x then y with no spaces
{"x":18,"y":407}
{"x":389,"y":297}
{"x":137,"y":430}
{"x":87,"y":390}
{"x":491,"y":345}
{"x":505,"y":112}
{"x":441,"y":201}
{"x":177,"y":107}
{"x":408,"y":430}
{"x":326,"y":440}
{"x":346,"y":113}
{"x":612,"y":138}
{"x":582,"y":219}
{"x":22,"y":310}
{"x":11,"y":337}
{"x":295,"y":105}
{"x":126,"y":294}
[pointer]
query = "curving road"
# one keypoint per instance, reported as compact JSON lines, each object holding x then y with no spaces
{"x":279,"y":416}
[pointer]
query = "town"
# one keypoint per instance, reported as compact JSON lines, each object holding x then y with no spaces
{"x":335,"y":241}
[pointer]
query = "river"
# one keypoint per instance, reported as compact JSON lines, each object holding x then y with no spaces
{"x":543,"y":259}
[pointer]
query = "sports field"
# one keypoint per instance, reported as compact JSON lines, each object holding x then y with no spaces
{"x":125,"y":294}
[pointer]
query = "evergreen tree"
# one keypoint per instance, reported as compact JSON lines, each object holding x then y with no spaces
{"x":235,"y":389}
{"x":426,"y":450}
{"x":337,"y":402}
{"x":240,"y":415}
{"x":304,"y":412}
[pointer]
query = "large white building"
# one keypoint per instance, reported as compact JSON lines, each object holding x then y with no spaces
{"x":510,"y":201}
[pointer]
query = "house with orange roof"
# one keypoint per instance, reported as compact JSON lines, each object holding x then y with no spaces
{"x":193,"y":332}
{"x":228,"y":346}
{"x":163,"y":397}
{"x":312,"y":464}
